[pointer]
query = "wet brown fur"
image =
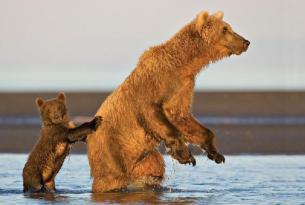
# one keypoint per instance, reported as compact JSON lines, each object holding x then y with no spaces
{"x":56,"y":137}
{"x":153,"y":104}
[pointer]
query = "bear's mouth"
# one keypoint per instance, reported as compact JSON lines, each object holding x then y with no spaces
{"x":239,"y":51}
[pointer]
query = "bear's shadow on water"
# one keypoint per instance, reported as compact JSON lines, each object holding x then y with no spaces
{"x":134,"y":196}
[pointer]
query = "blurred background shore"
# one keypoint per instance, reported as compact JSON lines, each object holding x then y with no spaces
{"x":244,"y":122}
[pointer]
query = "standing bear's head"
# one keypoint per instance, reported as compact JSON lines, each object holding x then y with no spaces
{"x":218,"y":35}
{"x":53,"y":111}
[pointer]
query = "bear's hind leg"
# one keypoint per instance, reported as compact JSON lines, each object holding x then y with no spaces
{"x":149,"y":172}
{"x":49,"y":186}
{"x":108,"y":184}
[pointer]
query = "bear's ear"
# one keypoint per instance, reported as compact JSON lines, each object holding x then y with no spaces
{"x":201,"y":19}
{"x":218,"y":15}
{"x":61,"y":96}
{"x":39,"y":102}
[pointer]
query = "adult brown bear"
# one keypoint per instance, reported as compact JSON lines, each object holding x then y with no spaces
{"x":153,"y":105}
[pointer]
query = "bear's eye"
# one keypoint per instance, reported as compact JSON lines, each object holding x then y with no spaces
{"x":225,"y":29}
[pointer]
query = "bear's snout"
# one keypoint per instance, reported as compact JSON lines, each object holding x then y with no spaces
{"x":57,"y":117}
{"x":246,"y":43}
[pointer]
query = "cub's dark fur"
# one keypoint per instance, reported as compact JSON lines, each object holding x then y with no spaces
{"x":54,"y":144}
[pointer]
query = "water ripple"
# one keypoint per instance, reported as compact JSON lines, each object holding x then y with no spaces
{"x":242,"y":180}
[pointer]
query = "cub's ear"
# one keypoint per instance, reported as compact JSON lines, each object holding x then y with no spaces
{"x":61,"y":96}
{"x":201,"y":19}
{"x":39,"y":102}
{"x":218,"y":15}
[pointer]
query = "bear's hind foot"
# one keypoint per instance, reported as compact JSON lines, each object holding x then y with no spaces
{"x":113,"y":184}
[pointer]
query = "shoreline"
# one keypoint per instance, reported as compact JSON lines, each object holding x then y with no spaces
{"x":261,"y":123}
{"x":231,"y":139}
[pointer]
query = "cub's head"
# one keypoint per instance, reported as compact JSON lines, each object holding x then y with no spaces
{"x":53,"y":111}
{"x":219,"y":35}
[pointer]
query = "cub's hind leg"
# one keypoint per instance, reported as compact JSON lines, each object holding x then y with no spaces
{"x":32,"y":182}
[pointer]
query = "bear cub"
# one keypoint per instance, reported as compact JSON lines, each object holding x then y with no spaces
{"x":54,"y":144}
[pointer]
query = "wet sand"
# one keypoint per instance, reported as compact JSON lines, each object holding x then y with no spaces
{"x":232,"y":138}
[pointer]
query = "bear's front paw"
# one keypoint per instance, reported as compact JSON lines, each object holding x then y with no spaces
{"x":213,"y":154}
{"x":184,"y":157}
{"x":182,"y":154}
{"x":218,"y":158}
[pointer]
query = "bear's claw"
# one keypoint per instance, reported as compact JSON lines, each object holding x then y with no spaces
{"x":183,"y":157}
{"x":218,"y":158}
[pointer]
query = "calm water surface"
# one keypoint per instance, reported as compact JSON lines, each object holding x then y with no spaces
{"x":242,"y":180}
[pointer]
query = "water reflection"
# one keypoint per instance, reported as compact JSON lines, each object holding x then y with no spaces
{"x":163,"y":196}
{"x":130,"y":197}
{"x":144,"y":197}
{"x":46,"y":196}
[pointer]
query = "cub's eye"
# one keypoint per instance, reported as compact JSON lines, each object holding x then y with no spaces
{"x":225,"y":29}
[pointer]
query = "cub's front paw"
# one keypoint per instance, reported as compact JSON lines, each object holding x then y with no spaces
{"x":84,"y":139}
{"x":96,"y":122}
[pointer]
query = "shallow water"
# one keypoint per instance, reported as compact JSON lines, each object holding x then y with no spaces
{"x":242,"y":180}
